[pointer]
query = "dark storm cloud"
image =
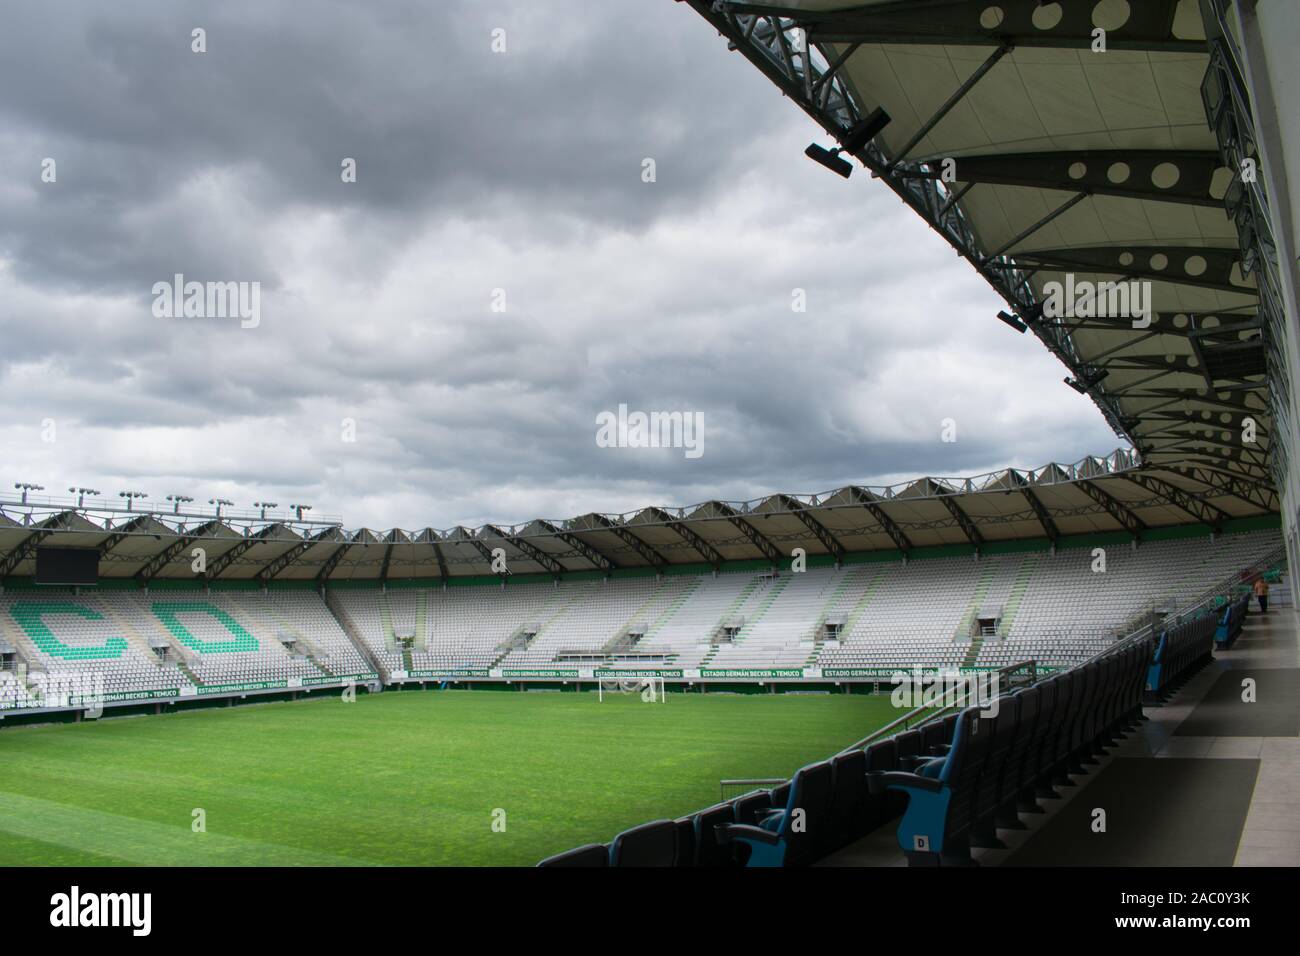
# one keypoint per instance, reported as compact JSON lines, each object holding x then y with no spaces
{"x":437,"y":122}
{"x":477,"y":172}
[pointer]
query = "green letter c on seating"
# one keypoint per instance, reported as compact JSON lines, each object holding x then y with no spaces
{"x":30,"y":617}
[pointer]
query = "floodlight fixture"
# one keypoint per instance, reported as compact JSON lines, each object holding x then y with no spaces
{"x":1014,"y":322}
{"x":26,"y":486}
{"x":130,"y":497}
{"x":177,"y":501}
{"x":852,"y":144}
{"x":81,"y":494}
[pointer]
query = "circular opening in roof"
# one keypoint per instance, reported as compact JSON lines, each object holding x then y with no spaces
{"x":992,"y":18}
{"x":1118,"y":173}
{"x":1078,"y":170}
{"x":1225,"y":436}
{"x":1195,"y":265}
{"x":1210,"y":322}
{"x":1159,"y":261}
{"x":1225,"y":418}
{"x":1126,"y":258}
{"x":1165,"y":176}
{"x":1110,"y":14}
{"x":1180,"y":321}
{"x":1047,"y":16}
{"x":1219,"y":182}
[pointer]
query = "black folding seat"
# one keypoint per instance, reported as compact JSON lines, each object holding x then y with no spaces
{"x":1018,"y":769}
{"x":932,"y":739}
{"x":882,"y":756}
{"x":1089,"y":736}
{"x":1056,"y":746}
{"x":650,"y":844}
{"x":708,"y":851}
{"x":1145,"y":649}
{"x":1107,"y":732}
{"x":685,"y":855}
{"x":949,"y":723}
{"x":1141,"y":665}
{"x":815,"y":801}
{"x":1003,"y":726}
{"x":780,"y":795}
{"x":1039,"y":761}
{"x":1080,"y":742}
{"x":1086,"y":683}
{"x":848,"y":799}
{"x":1110,"y":730}
{"x":909,"y":749}
{"x":752,"y":807}
{"x":593,"y":854}
{"x":1098,"y":740}
{"x":1102,"y":737}
{"x":940,"y":796}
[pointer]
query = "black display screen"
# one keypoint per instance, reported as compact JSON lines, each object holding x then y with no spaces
{"x":67,"y":566}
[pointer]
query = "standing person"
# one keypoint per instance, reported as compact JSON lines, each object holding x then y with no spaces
{"x":1261,"y":594}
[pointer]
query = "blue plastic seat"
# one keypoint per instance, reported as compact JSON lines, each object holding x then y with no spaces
{"x":788,"y":836}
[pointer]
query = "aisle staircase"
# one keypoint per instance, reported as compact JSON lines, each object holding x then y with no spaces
{"x":674,"y":606}
{"x":869,"y":579}
{"x":1024,"y":574}
{"x":750,"y":591}
{"x":987,"y":575}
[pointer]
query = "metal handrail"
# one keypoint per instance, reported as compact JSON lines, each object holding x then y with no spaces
{"x":758,"y":783}
{"x":931,"y":711}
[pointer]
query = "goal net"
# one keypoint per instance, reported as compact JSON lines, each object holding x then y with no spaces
{"x":649,"y":689}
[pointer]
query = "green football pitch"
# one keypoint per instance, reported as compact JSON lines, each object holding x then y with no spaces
{"x":414,"y":778}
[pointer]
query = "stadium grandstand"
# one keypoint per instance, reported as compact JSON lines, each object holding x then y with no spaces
{"x":1110,"y":603}
{"x":936,"y":572}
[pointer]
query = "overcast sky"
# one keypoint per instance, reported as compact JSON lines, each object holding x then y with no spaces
{"x":477,"y":171}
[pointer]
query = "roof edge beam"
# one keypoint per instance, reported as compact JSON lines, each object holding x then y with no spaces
{"x":529,"y":550}
{"x":624,"y":534}
{"x":963,"y":521}
{"x":1126,"y":518}
{"x":887,"y":524}
{"x":828,"y":540}
{"x":1182,"y":499}
{"x":702,"y":547}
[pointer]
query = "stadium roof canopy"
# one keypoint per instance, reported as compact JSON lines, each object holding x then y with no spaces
{"x":1090,"y":497}
{"x":1038,"y":157}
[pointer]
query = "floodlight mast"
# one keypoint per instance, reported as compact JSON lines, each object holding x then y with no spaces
{"x":130,"y":497}
{"x":177,"y":501}
{"x":263,"y":505}
{"x":26,"y":486}
{"x":219,"y":502}
{"x":81,"y":495}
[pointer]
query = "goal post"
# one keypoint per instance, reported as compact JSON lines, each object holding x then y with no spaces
{"x":650,"y":689}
